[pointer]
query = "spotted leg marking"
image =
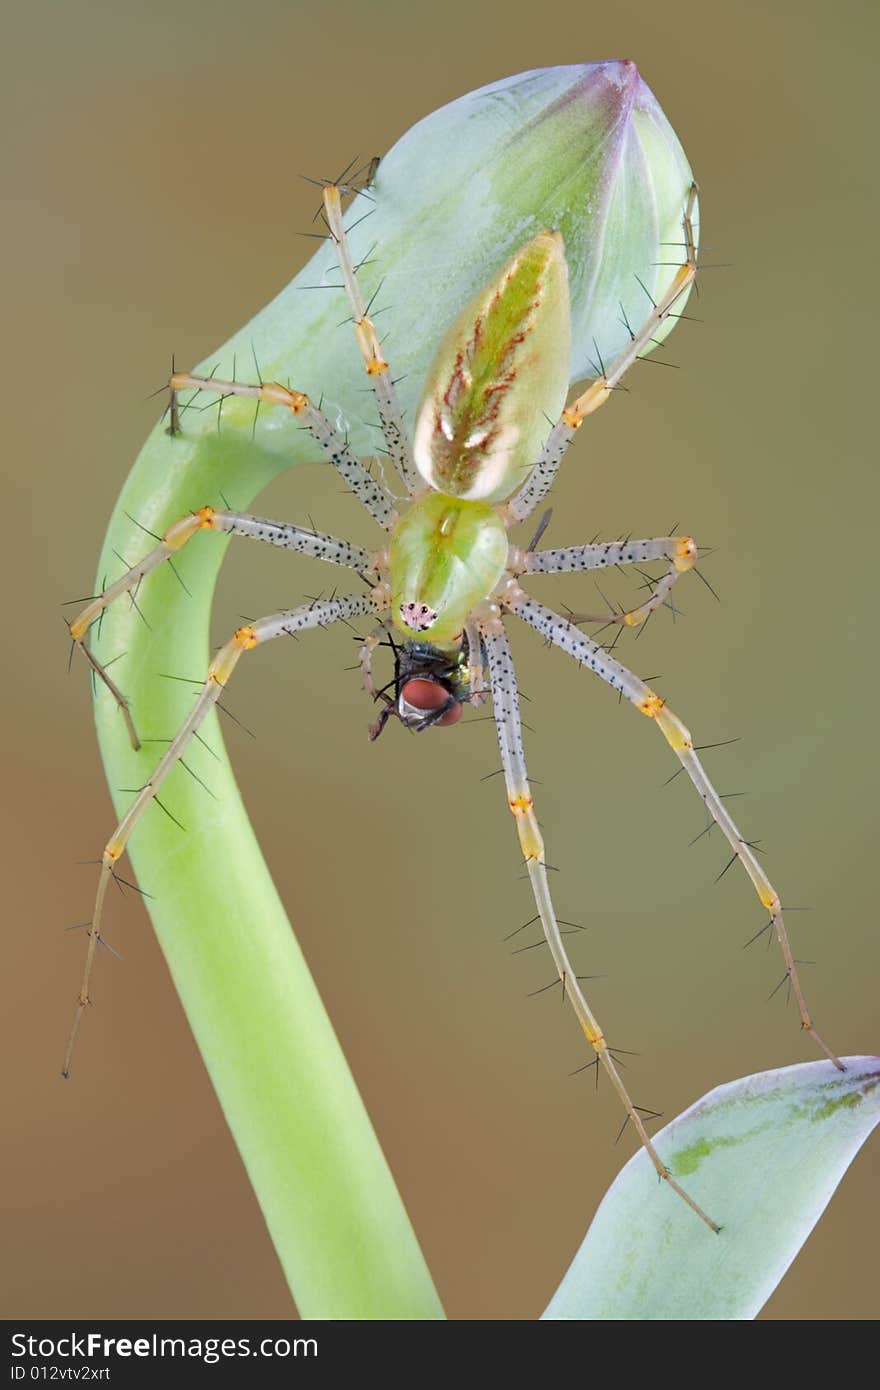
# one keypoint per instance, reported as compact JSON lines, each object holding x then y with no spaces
{"x":378,"y":371}
{"x":560,"y":632}
{"x":372,"y":496}
{"x":505,"y":700}
{"x":542,"y":476}
{"x":290,"y":537}
{"x":680,"y":551}
{"x":287,"y":624}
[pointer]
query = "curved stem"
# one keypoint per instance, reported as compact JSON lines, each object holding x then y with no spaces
{"x":337,"y":1221}
{"x":339,"y":1226}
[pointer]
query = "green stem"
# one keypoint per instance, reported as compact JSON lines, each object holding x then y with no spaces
{"x":338,"y":1224}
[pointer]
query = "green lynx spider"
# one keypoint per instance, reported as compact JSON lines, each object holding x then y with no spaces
{"x":442,"y":584}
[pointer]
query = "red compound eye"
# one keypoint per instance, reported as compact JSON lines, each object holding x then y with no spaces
{"x":428,"y":696}
{"x":452,"y":716}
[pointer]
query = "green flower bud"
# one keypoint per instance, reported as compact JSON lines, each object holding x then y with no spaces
{"x":584,"y":150}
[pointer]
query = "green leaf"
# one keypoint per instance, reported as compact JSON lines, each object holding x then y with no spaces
{"x":763,"y":1156}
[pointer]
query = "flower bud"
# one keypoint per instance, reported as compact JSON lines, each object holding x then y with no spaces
{"x":584,"y":150}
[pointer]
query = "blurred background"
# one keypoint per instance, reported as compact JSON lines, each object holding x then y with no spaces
{"x":151,"y":204}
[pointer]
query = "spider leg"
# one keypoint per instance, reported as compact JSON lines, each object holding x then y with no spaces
{"x":290,"y":537}
{"x":680,"y":551}
{"x":560,"y":632}
{"x":365,"y":655}
{"x":542,"y":476}
{"x":505,"y":700}
{"x":289,"y":623}
{"x":366,"y":489}
{"x":476,"y":669}
{"x":378,"y":371}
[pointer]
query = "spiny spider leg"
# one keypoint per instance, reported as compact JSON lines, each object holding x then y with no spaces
{"x":365,"y":656}
{"x":541,"y":478}
{"x":476,"y":672}
{"x":560,"y":632}
{"x":366,"y":489}
{"x":321,"y":613}
{"x":103,"y":675}
{"x":378,"y":371}
{"x":505,"y":701}
{"x":290,"y":537}
{"x":680,"y":551}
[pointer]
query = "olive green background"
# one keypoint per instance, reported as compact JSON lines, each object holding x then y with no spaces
{"x":152,"y":201}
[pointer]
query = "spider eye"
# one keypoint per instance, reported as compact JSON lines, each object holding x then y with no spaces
{"x":418,"y":616}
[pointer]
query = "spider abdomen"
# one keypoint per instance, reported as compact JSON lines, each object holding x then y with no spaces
{"x":447,"y":556}
{"x":500,"y":374}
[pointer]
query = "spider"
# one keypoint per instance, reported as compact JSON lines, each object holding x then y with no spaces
{"x":447,"y":577}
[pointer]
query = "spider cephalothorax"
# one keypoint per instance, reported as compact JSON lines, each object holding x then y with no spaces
{"x":447,"y":579}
